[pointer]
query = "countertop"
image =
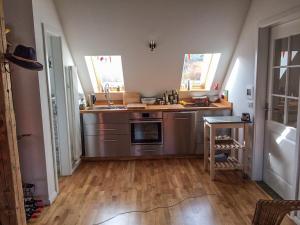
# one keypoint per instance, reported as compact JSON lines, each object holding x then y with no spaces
{"x":223,"y":119}
{"x":164,"y":108}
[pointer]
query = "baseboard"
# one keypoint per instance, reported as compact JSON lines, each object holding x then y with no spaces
{"x":125,"y":158}
{"x":267,"y":190}
{"x":51,"y":199}
{"x":76,"y":165}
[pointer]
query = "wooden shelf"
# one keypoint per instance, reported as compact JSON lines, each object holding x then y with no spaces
{"x":229,"y":164}
{"x":226,"y":145}
{"x":233,"y":149}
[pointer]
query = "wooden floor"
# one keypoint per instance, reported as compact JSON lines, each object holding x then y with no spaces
{"x":100,"y":190}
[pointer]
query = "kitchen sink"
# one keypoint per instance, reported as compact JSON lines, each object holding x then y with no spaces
{"x":104,"y":107}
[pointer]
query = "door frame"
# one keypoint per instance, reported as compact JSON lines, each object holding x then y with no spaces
{"x":63,"y":128}
{"x":261,"y":95}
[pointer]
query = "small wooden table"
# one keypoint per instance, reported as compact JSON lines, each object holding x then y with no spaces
{"x":232,"y":145}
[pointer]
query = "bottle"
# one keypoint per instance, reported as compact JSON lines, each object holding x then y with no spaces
{"x":167,"y":98}
{"x":176,"y":98}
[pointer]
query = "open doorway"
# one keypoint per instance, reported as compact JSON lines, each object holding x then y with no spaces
{"x":58,"y":104}
{"x":53,"y":53}
{"x":63,"y":100}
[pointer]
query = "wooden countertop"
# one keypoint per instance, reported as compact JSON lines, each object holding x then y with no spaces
{"x":164,"y":108}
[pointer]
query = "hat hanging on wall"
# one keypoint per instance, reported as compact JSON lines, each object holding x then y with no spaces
{"x":25,"y":57}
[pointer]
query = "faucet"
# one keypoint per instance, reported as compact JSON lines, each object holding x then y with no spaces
{"x":107,"y":95}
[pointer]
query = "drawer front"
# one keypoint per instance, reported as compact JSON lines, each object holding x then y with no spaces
{"x":146,"y":150}
{"x":106,"y":129}
{"x":107,"y":145}
{"x":105,"y":117}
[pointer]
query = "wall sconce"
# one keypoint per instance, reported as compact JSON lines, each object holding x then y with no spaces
{"x":152,"y":45}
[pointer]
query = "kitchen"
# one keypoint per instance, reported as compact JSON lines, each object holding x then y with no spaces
{"x":151,"y":130}
{"x":161,"y":112}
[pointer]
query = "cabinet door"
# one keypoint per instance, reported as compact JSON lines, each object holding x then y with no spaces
{"x":179,"y":133}
{"x":147,"y":150}
{"x":107,"y":145}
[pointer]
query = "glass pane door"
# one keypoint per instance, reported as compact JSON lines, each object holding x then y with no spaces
{"x":285,"y":81}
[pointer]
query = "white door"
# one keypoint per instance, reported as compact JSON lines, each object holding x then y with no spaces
{"x":281,"y":135}
{"x":73,"y":113}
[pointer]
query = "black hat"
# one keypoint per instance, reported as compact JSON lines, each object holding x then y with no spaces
{"x":25,"y":57}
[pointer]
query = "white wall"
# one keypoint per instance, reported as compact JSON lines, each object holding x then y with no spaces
{"x":25,"y":86}
{"x":117,"y":27}
{"x":242,"y":67}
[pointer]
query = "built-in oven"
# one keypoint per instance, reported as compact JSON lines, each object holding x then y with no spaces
{"x":146,"y":133}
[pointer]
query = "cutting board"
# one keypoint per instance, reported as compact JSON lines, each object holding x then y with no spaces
{"x":131,"y":97}
{"x":136,"y":106}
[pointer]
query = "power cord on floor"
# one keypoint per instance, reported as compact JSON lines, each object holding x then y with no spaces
{"x":153,"y":209}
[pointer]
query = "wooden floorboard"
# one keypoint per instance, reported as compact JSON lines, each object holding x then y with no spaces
{"x":100,"y":190}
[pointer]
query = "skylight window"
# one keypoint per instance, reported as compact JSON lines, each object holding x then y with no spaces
{"x":105,"y":70}
{"x":199,"y":71}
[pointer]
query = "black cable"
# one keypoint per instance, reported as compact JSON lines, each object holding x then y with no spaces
{"x":153,"y":209}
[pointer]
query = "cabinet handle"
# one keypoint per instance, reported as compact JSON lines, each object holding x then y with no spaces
{"x":109,"y":140}
{"x":149,"y":150}
{"x":106,"y":129}
{"x":181,"y":118}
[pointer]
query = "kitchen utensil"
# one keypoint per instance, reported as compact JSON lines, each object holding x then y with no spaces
{"x":246,"y":117}
{"x":148,"y":101}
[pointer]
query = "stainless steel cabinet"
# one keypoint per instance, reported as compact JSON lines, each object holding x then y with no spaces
{"x":107,"y":145}
{"x":179,"y":133}
{"x":105,"y":117}
{"x":106,"y":134}
{"x":106,"y":128}
{"x":147,"y":150}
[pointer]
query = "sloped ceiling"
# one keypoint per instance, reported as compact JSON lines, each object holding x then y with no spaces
{"x":124,"y":27}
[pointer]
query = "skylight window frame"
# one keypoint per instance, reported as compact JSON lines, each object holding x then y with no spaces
{"x":206,"y":81}
{"x":95,"y":74}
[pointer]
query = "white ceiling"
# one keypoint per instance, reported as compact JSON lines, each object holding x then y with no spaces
{"x":123,"y":27}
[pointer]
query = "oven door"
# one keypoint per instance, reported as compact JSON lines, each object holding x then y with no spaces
{"x":146,"y":132}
